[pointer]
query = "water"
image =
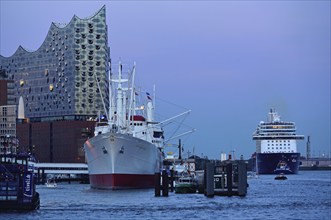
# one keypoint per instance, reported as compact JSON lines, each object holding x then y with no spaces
{"x":303,"y":196}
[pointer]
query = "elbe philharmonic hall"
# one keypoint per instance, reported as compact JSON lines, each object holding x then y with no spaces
{"x":49,"y":98}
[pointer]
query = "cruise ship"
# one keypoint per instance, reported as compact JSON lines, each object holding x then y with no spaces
{"x":276,"y":146}
{"x":126,"y":150}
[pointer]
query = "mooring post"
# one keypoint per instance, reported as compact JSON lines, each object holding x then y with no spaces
{"x":242,"y":178}
{"x":229,"y":178}
{"x":39,"y":176}
{"x":209,"y":178}
{"x":165,"y":183}
{"x":157,"y":178}
{"x":43,"y":175}
{"x":171,"y":180}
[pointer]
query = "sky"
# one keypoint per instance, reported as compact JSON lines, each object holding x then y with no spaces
{"x":227,"y":61}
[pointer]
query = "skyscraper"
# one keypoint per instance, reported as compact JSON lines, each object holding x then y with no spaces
{"x":62,"y":84}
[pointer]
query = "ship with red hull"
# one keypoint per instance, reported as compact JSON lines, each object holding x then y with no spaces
{"x":126,"y":150}
{"x":276,"y":146}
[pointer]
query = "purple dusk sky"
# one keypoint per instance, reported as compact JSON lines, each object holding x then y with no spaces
{"x":227,"y":61}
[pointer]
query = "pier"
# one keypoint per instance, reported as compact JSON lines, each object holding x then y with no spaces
{"x":62,"y":172}
{"x":316,"y":163}
{"x":229,"y":178}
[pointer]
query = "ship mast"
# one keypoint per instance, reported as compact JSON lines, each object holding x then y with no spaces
{"x":308,"y":148}
{"x":110,"y":97}
{"x":120,"y":96}
{"x":131,"y":109}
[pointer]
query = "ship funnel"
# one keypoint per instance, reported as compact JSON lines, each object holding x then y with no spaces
{"x":273,"y":116}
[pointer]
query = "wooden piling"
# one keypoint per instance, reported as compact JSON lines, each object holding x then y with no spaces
{"x":165,"y":183}
{"x":229,"y":178}
{"x":242,"y":178}
{"x":171,"y":180}
{"x":209,"y":180}
{"x":157,"y":178}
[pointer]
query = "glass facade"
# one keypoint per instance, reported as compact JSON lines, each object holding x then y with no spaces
{"x":59,"y":80}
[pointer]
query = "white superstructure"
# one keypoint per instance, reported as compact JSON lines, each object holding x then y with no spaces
{"x":276,"y":136}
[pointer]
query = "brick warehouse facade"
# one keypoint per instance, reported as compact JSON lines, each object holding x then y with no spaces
{"x":57,"y":141}
{"x":58,"y":84}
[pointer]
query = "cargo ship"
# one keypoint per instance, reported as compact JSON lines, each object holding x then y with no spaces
{"x":276,"y":146}
{"x":126,"y":150}
{"x":17,"y":182}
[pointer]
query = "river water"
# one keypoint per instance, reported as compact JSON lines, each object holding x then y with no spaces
{"x":303,"y":196}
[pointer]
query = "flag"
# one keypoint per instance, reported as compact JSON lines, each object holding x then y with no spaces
{"x":149,"y":97}
{"x":147,"y":93}
{"x":136,"y":93}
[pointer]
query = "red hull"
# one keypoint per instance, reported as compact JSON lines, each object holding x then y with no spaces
{"x":121,"y":181}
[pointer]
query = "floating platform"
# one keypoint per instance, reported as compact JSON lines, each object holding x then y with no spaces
{"x":17,"y":183}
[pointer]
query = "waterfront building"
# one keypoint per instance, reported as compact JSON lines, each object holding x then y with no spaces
{"x":7,"y":129}
{"x":63,"y":84}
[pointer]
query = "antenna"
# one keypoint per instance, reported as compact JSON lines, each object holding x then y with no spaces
{"x":308,"y":148}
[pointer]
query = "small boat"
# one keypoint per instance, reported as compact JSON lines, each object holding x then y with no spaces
{"x":251,"y":175}
{"x":186,"y":184}
{"x":281,"y":177}
{"x":18,"y":182}
{"x":282,"y":168}
{"x":51,"y":183}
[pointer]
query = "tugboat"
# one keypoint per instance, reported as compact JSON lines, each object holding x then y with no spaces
{"x":17,"y":183}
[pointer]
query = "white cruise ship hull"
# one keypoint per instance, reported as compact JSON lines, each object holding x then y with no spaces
{"x":121,"y":161}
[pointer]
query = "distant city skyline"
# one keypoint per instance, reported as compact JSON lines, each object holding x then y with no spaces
{"x":229,"y":62}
